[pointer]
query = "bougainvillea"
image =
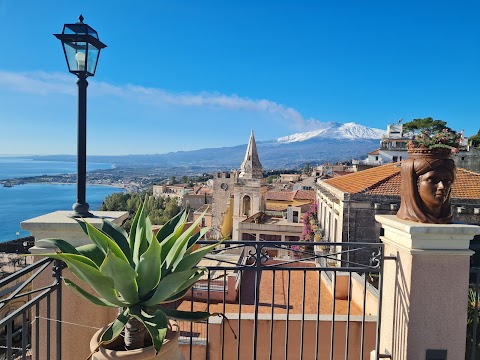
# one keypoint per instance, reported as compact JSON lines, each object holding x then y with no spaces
{"x":309,"y":221}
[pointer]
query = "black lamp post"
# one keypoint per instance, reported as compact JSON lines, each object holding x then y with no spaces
{"x":82,"y":49}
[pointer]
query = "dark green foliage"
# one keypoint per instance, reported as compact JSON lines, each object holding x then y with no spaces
{"x":159,"y":209}
{"x":270,"y":178}
{"x":416,"y":126}
{"x":475,"y":140}
{"x":470,"y":343}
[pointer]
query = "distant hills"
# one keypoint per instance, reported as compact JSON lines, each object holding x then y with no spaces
{"x":333,"y":142}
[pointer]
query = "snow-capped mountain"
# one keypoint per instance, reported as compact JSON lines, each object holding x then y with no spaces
{"x":334,"y":130}
{"x":334,"y":142}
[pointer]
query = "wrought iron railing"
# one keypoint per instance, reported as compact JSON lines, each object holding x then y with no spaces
{"x":22,"y":307}
{"x":276,"y":303}
{"x":283,"y":306}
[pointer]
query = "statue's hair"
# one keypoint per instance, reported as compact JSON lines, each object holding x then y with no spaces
{"x":412,"y":207}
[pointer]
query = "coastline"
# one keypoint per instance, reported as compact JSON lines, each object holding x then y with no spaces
{"x":34,"y":199}
{"x":35,"y":180}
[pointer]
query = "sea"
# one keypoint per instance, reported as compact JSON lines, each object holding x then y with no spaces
{"x":23,"y":202}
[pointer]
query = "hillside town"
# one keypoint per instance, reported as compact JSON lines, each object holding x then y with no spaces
{"x":334,"y":207}
{"x":246,"y":193}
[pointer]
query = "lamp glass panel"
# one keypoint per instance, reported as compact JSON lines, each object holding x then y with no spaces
{"x":93,"y":54}
{"x":74,"y":60}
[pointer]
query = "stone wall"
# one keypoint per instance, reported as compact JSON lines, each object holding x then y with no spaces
{"x":469,"y":160}
{"x":223,"y":185}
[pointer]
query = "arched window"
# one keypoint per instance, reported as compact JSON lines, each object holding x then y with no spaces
{"x":246,"y":204}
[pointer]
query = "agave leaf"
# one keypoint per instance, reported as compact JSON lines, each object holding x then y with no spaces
{"x":140,"y":244}
{"x":62,"y":245}
{"x":82,"y":293}
{"x":180,"y":247}
{"x":175,"y":297}
{"x":169,"y":242}
{"x":122,"y":276}
{"x":78,"y":258}
{"x":148,"y":230}
{"x":104,"y":242}
{"x":194,"y":316}
{"x":194,"y":258}
{"x":168,"y":286}
{"x":195,"y":237}
{"x":115,"y":329}
{"x":170,"y":226}
{"x":82,"y":225}
{"x":118,"y":235}
{"x":149,"y":268}
{"x":92,"y":252}
{"x":188,"y":283}
{"x":86,"y":270}
{"x":133,"y":230}
{"x":156,"y":324}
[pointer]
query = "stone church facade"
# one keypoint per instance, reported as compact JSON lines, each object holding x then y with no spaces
{"x":246,"y":188}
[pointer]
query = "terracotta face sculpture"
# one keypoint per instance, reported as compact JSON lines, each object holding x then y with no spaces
{"x":426,"y":190}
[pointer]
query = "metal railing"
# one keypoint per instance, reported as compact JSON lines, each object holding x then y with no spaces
{"x":22,"y":307}
{"x":299,"y":303}
{"x":312,"y":302}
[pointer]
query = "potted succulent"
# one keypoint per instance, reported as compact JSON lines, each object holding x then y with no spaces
{"x":137,"y":273}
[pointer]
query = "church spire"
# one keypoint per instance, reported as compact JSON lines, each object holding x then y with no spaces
{"x":251,"y":167}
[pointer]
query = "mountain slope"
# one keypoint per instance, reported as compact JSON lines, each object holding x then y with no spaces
{"x":335,"y":130}
{"x":336,"y":142}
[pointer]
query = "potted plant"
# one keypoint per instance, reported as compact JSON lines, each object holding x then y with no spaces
{"x":443,"y":143}
{"x":137,"y":273}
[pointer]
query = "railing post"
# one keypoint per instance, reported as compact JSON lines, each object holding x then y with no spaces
{"x":424,"y":304}
{"x":57,"y":273}
{"x":258,"y":264}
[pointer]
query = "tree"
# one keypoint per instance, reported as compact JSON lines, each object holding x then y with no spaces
{"x":271,"y":178}
{"x":475,"y":140}
{"x":159,"y":209}
{"x":417,"y":126}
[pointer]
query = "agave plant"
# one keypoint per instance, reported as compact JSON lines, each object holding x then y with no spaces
{"x":137,"y":273}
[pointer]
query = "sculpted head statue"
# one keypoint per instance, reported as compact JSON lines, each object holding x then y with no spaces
{"x":426,"y":189}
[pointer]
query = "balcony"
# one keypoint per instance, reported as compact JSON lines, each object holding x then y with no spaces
{"x":287,"y":307}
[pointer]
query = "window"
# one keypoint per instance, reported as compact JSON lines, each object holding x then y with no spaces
{"x":295,"y":216}
{"x":246,"y":205}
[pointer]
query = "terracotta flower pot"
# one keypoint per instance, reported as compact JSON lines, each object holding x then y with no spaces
{"x":423,"y":152}
{"x":169,"y":351}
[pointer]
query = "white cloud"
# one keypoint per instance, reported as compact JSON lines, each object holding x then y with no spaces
{"x":45,"y":83}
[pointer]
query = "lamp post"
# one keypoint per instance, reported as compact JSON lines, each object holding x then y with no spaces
{"x":82,"y":49}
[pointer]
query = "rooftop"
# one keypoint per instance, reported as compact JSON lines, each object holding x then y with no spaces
{"x":279,"y":288}
{"x":291,"y":195}
{"x":386,"y":179}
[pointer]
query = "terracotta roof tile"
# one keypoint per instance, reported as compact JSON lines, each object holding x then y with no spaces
{"x":204,"y":207}
{"x":304,"y":195}
{"x":280,"y":195}
{"x":386,"y":179}
{"x":362,"y":180}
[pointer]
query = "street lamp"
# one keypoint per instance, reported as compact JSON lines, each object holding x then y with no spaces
{"x":82,"y":49}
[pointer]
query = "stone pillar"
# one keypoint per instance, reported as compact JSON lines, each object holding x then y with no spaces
{"x":81,"y":318}
{"x":425,"y":289}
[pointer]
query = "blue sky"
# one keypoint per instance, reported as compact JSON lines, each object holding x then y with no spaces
{"x":182,"y":75}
